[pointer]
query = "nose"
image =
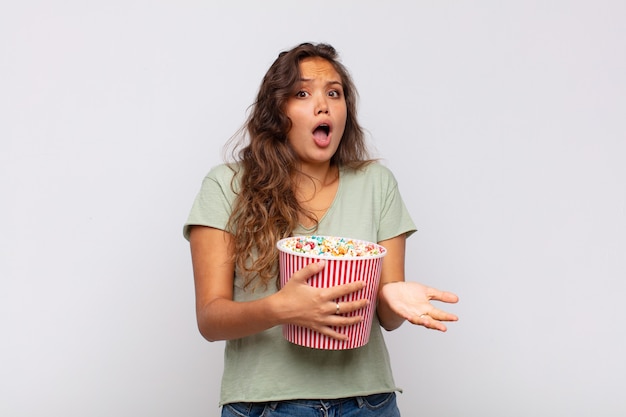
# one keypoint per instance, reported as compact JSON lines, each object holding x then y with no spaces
{"x":321,"y":106}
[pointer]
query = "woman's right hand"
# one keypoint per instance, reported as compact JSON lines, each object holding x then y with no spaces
{"x":316,"y":308}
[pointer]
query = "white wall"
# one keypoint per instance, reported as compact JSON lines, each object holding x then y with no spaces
{"x":503,"y":121}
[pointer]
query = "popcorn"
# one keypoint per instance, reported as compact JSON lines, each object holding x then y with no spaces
{"x":327,"y":246}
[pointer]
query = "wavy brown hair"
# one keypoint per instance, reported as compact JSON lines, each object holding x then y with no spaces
{"x":266,"y":208}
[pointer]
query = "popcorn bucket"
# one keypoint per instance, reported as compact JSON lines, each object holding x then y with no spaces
{"x":347,"y":260}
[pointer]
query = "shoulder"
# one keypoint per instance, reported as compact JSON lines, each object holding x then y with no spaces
{"x":220,"y":183}
{"x":223,"y":171}
{"x":223,"y":174}
{"x":371,"y":172}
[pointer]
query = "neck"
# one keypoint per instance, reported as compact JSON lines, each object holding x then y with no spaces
{"x":320,"y":175}
{"x":315,"y":191}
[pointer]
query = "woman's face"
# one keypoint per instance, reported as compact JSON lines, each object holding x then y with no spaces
{"x":317,"y":112}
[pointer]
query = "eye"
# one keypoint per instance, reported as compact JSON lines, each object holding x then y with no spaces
{"x":302,"y":94}
{"x":334,"y":93}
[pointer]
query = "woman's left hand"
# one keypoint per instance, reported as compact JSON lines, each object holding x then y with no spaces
{"x":411,"y":301}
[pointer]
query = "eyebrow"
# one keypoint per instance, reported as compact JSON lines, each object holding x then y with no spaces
{"x":305,"y":80}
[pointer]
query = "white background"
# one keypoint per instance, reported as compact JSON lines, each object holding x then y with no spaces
{"x":504,"y":123}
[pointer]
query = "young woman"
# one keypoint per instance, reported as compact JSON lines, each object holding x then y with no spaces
{"x":303,"y":168}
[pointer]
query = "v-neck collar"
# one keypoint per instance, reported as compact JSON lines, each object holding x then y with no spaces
{"x":330,"y":208}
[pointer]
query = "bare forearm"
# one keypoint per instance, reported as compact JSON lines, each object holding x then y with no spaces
{"x":218,"y":316}
{"x":388,"y":319}
{"x":223,"y":319}
{"x":393,"y":272}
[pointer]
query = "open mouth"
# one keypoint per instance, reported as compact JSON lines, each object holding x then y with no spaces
{"x":321,"y":134}
{"x":322,"y":130}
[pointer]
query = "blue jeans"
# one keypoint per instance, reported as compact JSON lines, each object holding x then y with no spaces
{"x":379,"y":405}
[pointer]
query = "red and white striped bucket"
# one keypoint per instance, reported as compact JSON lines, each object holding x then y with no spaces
{"x":338,"y":270}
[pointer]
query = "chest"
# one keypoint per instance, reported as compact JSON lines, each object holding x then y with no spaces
{"x":317,"y":204}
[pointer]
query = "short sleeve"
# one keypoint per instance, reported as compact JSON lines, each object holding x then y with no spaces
{"x":213,"y":204}
{"x":394,"y":218}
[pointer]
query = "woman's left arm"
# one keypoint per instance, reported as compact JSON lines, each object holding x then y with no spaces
{"x":399,"y":300}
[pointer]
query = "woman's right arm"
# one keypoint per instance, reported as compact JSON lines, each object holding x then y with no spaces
{"x":221,"y":318}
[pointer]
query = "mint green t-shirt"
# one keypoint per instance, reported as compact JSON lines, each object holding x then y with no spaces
{"x":264,"y":366}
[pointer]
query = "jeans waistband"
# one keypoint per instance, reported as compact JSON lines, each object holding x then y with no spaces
{"x":326,"y":403}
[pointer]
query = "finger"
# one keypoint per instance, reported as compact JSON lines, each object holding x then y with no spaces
{"x":337,"y":321}
{"x":428,"y":322}
{"x":347,"y":307}
{"x":302,"y":275}
{"x":433,"y":324}
{"x":339,"y":291}
{"x":343,"y":321}
{"x":444,"y":296}
{"x":327,"y":331}
{"x":441,"y":315}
